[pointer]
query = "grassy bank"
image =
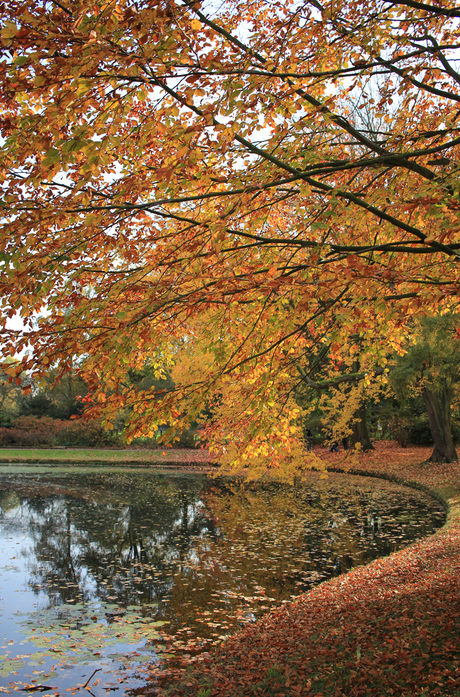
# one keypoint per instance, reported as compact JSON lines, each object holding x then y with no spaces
{"x":101,"y":456}
{"x":389,"y":628}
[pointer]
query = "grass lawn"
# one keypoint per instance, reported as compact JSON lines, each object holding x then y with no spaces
{"x":101,"y":456}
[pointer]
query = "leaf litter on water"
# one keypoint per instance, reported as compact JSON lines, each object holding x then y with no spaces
{"x":203,"y":559}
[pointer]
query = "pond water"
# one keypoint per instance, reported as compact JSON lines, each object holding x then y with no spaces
{"x":108,"y":575}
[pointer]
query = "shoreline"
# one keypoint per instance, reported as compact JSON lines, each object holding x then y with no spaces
{"x":391,"y":627}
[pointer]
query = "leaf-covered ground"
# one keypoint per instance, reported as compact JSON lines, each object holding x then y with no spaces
{"x":389,"y":628}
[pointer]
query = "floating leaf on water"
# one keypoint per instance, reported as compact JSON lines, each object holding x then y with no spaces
{"x":244,"y":541}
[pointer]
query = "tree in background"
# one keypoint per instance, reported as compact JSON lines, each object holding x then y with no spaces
{"x":58,"y":400}
{"x":431,"y":367}
{"x":176,"y":175}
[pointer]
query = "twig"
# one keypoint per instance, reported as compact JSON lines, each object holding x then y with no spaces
{"x":91,"y":677}
{"x":37,"y":688}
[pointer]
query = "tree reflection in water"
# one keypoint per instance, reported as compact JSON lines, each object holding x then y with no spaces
{"x":204,"y":556}
{"x":95,"y":536}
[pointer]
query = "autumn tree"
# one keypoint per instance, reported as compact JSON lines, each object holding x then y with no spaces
{"x":343,"y":383}
{"x":174,"y":173}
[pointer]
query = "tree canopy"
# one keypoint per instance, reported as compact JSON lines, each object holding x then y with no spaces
{"x":241,"y":183}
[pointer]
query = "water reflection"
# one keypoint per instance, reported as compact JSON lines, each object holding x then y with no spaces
{"x":202,"y":556}
{"x":94,"y":536}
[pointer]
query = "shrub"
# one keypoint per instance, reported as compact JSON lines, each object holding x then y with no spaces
{"x":405,"y":429}
{"x":86,"y":434}
{"x":189,"y":439}
{"x":37,"y":423}
{"x":6,"y":435}
{"x":32,"y":438}
{"x":419,"y":431}
{"x":34,"y":431}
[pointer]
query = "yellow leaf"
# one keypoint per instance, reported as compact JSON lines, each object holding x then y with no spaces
{"x":195,"y":24}
{"x":10,"y":29}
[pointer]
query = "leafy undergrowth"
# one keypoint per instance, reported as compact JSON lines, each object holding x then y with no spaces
{"x":389,"y":628}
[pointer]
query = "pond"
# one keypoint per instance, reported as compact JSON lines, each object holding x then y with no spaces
{"x":109,"y":575}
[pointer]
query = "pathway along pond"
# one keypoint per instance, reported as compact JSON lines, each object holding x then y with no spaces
{"x":108,"y":570}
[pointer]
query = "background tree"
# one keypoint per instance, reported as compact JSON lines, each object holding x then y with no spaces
{"x":171,"y":170}
{"x":60,"y":400}
{"x":431,"y":366}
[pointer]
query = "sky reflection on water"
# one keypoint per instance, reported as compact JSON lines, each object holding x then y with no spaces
{"x":106,"y":569}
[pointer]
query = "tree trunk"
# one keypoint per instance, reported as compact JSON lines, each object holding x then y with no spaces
{"x":360,"y":433}
{"x":438,"y":410}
